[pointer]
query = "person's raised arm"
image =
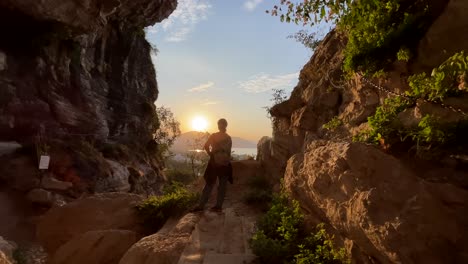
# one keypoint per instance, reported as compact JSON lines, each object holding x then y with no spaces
{"x":207,"y":145}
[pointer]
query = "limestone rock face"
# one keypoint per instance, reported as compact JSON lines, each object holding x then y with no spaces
{"x":88,"y":68}
{"x":79,"y":71}
{"x":100,"y":212}
{"x":371,"y":198}
{"x":164,"y":247}
{"x":95,"y":247}
{"x":117,"y":181}
{"x":93,"y":14}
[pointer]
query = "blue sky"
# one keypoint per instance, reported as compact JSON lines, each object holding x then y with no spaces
{"x":222,"y":59}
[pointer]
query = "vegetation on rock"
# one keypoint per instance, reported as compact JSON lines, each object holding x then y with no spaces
{"x":157,"y":209}
{"x":447,"y":80}
{"x":333,"y":124}
{"x":376,"y":30}
{"x":281,"y":237}
{"x":309,"y":40}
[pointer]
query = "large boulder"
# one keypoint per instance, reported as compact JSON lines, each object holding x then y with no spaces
{"x":164,"y":247}
{"x":46,"y":198}
{"x":6,"y":251}
{"x":4,"y":259}
{"x":370,"y":198}
{"x":99,"y":212}
{"x":95,"y":247}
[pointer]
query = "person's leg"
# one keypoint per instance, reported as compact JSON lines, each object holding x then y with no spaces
{"x":205,"y":194}
{"x":223,"y":178}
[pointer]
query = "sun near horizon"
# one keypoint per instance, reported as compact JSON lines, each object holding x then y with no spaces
{"x":199,"y":123}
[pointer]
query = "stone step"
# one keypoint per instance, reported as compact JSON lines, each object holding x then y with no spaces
{"x":212,"y":258}
{"x":248,"y":229}
{"x":210,"y":231}
{"x":233,"y":235}
{"x":192,"y":253}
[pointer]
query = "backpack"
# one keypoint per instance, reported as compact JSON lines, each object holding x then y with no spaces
{"x":221,"y":149}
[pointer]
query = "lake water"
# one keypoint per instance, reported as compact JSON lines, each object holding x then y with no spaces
{"x":245,"y":151}
{"x":237,"y":151}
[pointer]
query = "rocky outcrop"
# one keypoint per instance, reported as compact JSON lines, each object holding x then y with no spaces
{"x":78,"y":68}
{"x":45,"y":198}
{"x":371,"y":198}
{"x":108,"y":211}
{"x":116,"y":181}
{"x":95,"y":247}
{"x":4,"y":259}
{"x":6,"y":251}
{"x":76,"y":78}
{"x":166,"y":246}
{"x":384,"y":208}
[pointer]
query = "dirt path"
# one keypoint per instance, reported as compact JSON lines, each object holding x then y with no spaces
{"x":223,"y":237}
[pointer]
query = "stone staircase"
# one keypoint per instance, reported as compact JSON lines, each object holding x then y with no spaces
{"x":220,"y":238}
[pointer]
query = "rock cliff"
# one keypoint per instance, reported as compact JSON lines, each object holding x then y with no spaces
{"x":73,"y":67}
{"x":76,"y":79}
{"x":385,"y":207}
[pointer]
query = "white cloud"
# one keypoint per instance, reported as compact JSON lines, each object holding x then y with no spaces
{"x":202,"y":87}
{"x":250,"y":5}
{"x":211,"y":103}
{"x":183,"y":20}
{"x":265,"y":82}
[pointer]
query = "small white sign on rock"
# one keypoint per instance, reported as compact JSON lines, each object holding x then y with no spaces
{"x":44,"y":162}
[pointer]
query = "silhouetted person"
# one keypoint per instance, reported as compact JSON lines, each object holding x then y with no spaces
{"x":218,"y":146}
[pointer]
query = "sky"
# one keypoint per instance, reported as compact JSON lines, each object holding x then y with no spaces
{"x":221,"y":59}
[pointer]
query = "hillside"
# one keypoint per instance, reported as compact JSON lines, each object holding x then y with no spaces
{"x":185,"y":141}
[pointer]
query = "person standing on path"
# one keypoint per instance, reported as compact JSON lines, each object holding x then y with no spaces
{"x":218,"y":146}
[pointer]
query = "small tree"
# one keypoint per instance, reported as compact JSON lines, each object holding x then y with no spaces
{"x":196,"y":157}
{"x":311,"y":11}
{"x":278,"y":96}
{"x":309,"y":40}
{"x":167,"y":131}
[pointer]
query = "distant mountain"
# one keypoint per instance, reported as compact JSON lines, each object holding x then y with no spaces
{"x":189,"y":140}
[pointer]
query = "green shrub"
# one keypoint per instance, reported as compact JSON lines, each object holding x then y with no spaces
{"x":382,"y":123}
{"x":19,"y":256}
{"x":333,"y":124}
{"x":318,"y":248}
{"x":157,"y":209}
{"x":446,"y":80}
{"x":281,"y":237}
{"x":259,"y":192}
{"x":429,"y":131}
{"x":378,"y":29}
{"x":404,"y":54}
